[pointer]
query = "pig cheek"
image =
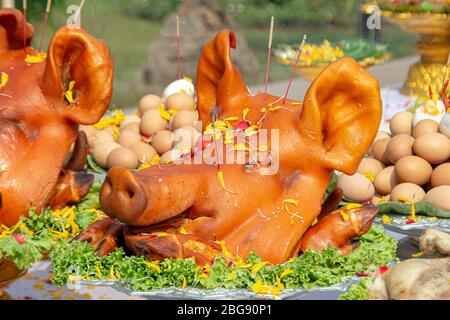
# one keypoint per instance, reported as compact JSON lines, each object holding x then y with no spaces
{"x":12,"y":143}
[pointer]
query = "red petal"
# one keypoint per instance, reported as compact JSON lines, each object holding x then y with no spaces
{"x":409,"y":221}
{"x":241,"y":126}
{"x":20,"y":238}
{"x":362,"y":274}
{"x":381,"y":270}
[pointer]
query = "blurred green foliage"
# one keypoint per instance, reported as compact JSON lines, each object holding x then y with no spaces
{"x":293,"y":12}
{"x":131,"y":26}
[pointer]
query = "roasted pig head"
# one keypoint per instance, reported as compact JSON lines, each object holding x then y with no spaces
{"x":42,"y":102}
{"x":249,"y":205}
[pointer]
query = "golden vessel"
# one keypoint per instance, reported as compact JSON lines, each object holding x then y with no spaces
{"x":433,"y":47}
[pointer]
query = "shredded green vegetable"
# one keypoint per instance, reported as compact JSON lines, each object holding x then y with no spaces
{"x":77,"y":260}
{"x":41,"y":233}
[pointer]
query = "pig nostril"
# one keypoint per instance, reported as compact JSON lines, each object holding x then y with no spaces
{"x":130,"y":194}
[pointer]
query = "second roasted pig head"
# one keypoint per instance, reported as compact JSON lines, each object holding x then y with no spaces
{"x":240,"y":203}
{"x":42,"y":102}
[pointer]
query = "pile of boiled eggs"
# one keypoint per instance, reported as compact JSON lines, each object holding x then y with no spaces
{"x":411,"y":163}
{"x":161,"y":130}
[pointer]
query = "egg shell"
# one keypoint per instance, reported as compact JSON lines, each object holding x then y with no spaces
{"x":109,"y":130}
{"x":356,"y":188}
{"x":422,"y":115}
{"x":130,"y":119}
{"x":385,"y":181}
{"x":102,"y":151}
{"x":433,"y":147}
{"x":409,"y":191}
{"x":101,"y":136}
{"x":413,"y":169}
{"x":162,"y":141}
{"x":182,"y":119}
{"x":143,"y":151}
{"x":441,"y":175}
{"x":135,"y":126}
{"x":425,"y":126}
{"x":439,"y":196}
{"x":399,"y":146}
{"x":180,"y":101}
{"x":127,"y":138}
{"x":369,"y":165}
{"x":170,"y":156}
{"x":378,"y":198}
{"x":180,"y":85}
{"x":185,"y":136}
{"x":401,"y":123}
{"x":152,"y":122}
{"x":149,"y":102}
{"x":444,"y":126}
{"x":90,"y":131}
{"x":379,"y":151}
{"x":381,"y":135}
{"x":122,"y":157}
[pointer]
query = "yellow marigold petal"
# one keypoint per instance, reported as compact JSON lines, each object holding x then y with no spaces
{"x":116,"y":133}
{"x":153,"y":266}
{"x":258,"y":267}
{"x":69,"y":92}
{"x":38,"y":286}
{"x":264,"y":110}
{"x":345,"y":216}
{"x":351,"y":206}
{"x":182,"y":230}
{"x":386,"y":219}
{"x":245,"y":113}
{"x":4,"y":80}
{"x":231,"y":276}
{"x":286,"y":273}
{"x":296,"y":104}
{"x":163,"y":113}
{"x":231,"y":119}
{"x":160,"y":234}
{"x":38,"y":58}
{"x":187,"y":78}
{"x":240,"y":147}
{"x":98,"y":272}
{"x":314,"y":222}
{"x":155,"y":160}
{"x":263,"y":148}
{"x":370,"y":176}
{"x":222,"y":181}
{"x":115,"y":119}
{"x":291,"y":201}
{"x":417,"y":254}
{"x":184,"y":283}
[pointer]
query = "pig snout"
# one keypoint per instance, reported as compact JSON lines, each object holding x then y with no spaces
{"x":121,"y":196}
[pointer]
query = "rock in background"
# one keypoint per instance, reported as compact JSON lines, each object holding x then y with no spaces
{"x":200,"y":20}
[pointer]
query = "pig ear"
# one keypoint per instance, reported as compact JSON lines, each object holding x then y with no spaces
{"x":218,"y":79}
{"x":341,"y":114}
{"x":76,"y":57}
{"x":11,"y":30}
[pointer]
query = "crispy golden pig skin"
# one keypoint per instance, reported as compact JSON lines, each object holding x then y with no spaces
{"x":37,"y":124}
{"x":331,"y":130}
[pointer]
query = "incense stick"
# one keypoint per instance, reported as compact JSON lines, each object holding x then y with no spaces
{"x":24,"y":24}
{"x":294,"y":68}
{"x":446,"y":71}
{"x":269,"y":49}
{"x":178,"y":48}
{"x":44,"y":28}
{"x":77,"y":15}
